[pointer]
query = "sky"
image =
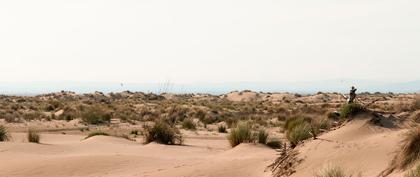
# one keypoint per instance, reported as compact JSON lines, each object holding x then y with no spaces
{"x":191,"y":41}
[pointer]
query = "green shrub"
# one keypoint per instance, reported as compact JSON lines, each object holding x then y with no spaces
{"x":299,"y":129}
{"x":96,"y":133}
{"x":33,"y":136}
{"x":299,"y":133}
{"x":161,"y":132}
{"x":95,"y":115}
{"x":319,"y":125}
{"x":221,"y":129}
{"x":351,"y":109}
{"x":294,"y":121}
{"x":4,"y":134}
{"x":242,"y":133}
{"x":262,"y":136}
{"x":188,"y":124}
{"x":323,"y":124}
{"x":414,"y":173}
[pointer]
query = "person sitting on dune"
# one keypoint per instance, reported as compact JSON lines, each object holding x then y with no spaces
{"x":352,"y":94}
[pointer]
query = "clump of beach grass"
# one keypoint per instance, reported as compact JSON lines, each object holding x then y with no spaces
{"x":4,"y":134}
{"x":242,"y":133}
{"x":161,"y":132}
{"x":33,"y":136}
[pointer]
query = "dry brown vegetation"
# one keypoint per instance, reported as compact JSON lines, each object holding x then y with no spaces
{"x":195,"y":111}
{"x":333,"y":171}
{"x":162,"y":132}
{"x":410,"y":150}
{"x":414,"y":173}
{"x":279,"y":120}
{"x":4,"y":134}
{"x":33,"y":136}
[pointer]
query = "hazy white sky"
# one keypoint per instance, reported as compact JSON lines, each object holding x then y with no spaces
{"x":209,"y":41}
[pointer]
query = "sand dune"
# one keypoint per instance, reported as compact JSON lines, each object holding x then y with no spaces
{"x":69,"y":155}
{"x":358,"y":147}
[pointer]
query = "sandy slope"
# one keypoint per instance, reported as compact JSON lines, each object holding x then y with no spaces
{"x":358,"y":147}
{"x":67,"y":155}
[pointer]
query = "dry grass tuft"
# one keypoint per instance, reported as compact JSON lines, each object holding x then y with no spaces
{"x":33,"y":136}
{"x":242,"y":133}
{"x":189,"y":124}
{"x":95,"y":115}
{"x":410,"y":152}
{"x":351,"y":109}
{"x":416,"y":102}
{"x":4,"y":134}
{"x":222,"y":129}
{"x":333,"y":172}
{"x":414,"y":173}
{"x":262,"y":136}
{"x":298,"y":129}
{"x":161,"y":132}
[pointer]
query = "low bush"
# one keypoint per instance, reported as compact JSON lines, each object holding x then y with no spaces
{"x":319,"y":125}
{"x":188,"y":124}
{"x":33,"y":136}
{"x":262,"y":136}
{"x":351,"y":109}
{"x":323,"y":124}
{"x":242,"y":133}
{"x":95,"y":115}
{"x":299,"y":133}
{"x":161,"y":132}
{"x":69,"y":113}
{"x":4,"y":134}
{"x":299,"y":129}
{"x":134,"y":132}
{"x":295,"y":121}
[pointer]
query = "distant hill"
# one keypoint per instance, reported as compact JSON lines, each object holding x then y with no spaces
{"x":342,"y":85}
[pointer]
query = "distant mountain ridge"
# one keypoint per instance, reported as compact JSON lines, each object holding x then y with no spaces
{"x":339,"y":85}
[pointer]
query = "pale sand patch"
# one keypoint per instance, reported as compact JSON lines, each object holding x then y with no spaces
{"x":69,"y":155}
{"x":357,"y":147}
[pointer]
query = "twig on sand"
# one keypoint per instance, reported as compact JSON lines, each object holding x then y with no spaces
{"x":285,"y":164}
